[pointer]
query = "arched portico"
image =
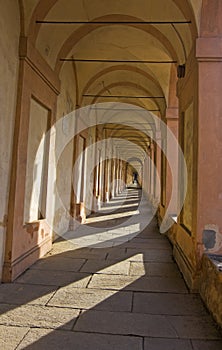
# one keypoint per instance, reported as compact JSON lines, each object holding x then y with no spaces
{"x":73,"y":55}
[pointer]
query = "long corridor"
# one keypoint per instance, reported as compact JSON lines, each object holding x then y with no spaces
{"x":116,"y":288}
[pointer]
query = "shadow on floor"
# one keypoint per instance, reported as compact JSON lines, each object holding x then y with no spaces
{"x":125,"y":297}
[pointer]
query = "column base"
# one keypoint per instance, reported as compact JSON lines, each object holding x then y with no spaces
{"x":11,"y":270}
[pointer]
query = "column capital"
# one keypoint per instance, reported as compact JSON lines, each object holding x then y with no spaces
{"x":209,"y":49}
{"x":172,"y":113}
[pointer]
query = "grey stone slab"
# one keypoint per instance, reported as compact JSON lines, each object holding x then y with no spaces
{"x":194,"y":327}
{"x":58,"y":263}
{"x":167,"y":344}
{"x":61,"y":246}
{"x":141,"y":255}
{"x":87,"y":253}
{"x":11,"y":336}
{"x":43,"y":339}
{"x":16,"y":293}
{"x":154,"y":269}
{"x":37,"y":316}
{"x":115,"y":282}
{"x":150,"y":232}
{"x":159,"y":284}
{"x":207,"y":344}
{"x":151,"y":244}
{"x":168,"y":304}
{"x":67,"y":249}
{"x":117,"y":254}
{"x":87,"y":298}
{"x":163,"y":269}
{"x":146,"y":239}
{"x":124,"y":323}
{"x":95,"y":241}
{"x":54,"y":278}
{"x":155,"y":255}
{"x":106,"y":267}
{"x":138,"y":268}
{"x":152,"y":284}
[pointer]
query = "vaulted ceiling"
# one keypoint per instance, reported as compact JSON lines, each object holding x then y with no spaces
{"x":161,"y":32}
{"x":119,"y":41}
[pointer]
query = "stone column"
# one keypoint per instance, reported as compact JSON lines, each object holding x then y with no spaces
{"x":151,"y":194}
{"x":209,"y":168}
{"x":104,"y":168}
{"x":108,"y":172}
{"x":172,"y":123}
{"x":158,"y":167}
{"x":116,"y":177}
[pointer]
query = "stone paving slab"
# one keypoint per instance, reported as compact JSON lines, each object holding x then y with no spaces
{"x":168,"y":304}
{"x":150,"y":231}
{"x":90,"y":253}
{"x":207,"y":344}
{"x":125,"y":324}
{"x":115,"y":282}
{"x":146,"y":238}
{"x":59,"y":264}
{"x":87,"y":298}
{"x":142,"y":255}
{"x":151,"y":244}
{"x":152,"y":284}
{"x":68,"y":249}
{"x":37,"y":316}
{"x":167,"y":344}
{"x":60,"y":245}
{"x":110,"y":304}
{"x":155,"y":255}
{"x":114,"y":267}
{"x":16,"y":293}
{"x":194,"y":327}
{"x":11,"y":336}
{"x":54,"y":278}
{"x":154,"y":269}
{"x":94,"y":241}
{"x":135,"y":257}
{"x":117,"y":253}
{"x":42,"y":339}
{"x":159,"y":284}
{"x":186,"y":327}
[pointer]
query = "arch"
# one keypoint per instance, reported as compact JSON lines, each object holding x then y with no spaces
{"x":125,"y":84}
{"x":135,"y":159}
{"x":44,"y":6}
{"x":122,"y":68}
{"x":81,"y":32}
{"x":187,"y":10}
{"x":126,"y":134}
{"x":42,"y":9}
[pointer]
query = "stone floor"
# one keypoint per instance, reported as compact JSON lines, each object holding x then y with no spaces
{"x":120,"y":291}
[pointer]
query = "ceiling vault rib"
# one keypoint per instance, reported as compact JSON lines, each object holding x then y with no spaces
{"x":126,"y":129}
{"x":180,"y":39}
{"x":121,"y":96}
{"x":114,"y":22}
{"x":89,"y":60}
{"x":124,"y":109}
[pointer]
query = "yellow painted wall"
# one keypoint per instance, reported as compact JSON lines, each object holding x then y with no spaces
{"x":9,"y":41}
